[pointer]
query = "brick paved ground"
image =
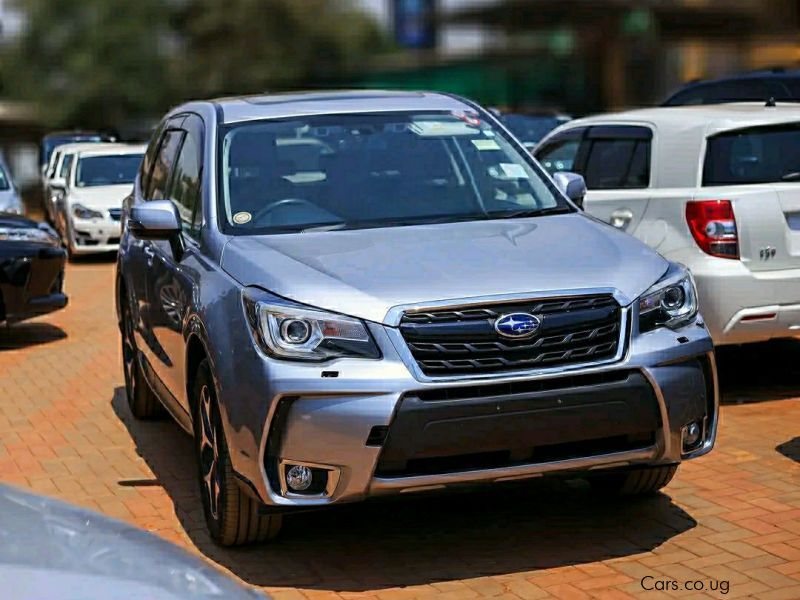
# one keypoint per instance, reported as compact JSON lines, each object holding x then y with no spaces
{"x":734,"y":515}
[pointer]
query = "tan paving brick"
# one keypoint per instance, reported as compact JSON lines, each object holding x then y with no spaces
{"x":734,"y":515}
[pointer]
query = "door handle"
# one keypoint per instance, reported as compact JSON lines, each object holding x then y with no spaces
{"x":149,"y":253}
{"x":621,"y":218}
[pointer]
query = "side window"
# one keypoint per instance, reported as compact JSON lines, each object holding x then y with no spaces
{"x":618,"y":157}
{"x":51,"y":170}
{"x":186,"y":179}
{"x":162,"y":165}
{"x":149,"y":156}
{"x":63,"y":172}
{"x":559,"y":155}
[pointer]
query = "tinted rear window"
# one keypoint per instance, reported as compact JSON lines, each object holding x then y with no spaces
{"x":753,"y":155}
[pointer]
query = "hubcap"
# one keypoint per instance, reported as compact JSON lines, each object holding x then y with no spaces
{"x":209,"y":453}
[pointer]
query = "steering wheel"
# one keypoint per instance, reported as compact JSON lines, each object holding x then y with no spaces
{"x":280,"y":203}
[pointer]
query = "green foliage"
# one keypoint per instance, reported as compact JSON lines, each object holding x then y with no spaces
{"x":102,"y":63}
{"x":249,"y":46}
{"x":92,"y":63}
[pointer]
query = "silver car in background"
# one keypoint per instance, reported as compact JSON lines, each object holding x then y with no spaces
{"x":10,"y":199}
{"x":356,"y":294}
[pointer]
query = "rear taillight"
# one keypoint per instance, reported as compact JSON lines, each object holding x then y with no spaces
{"x":713,"y":227}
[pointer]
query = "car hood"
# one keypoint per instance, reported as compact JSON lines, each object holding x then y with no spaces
{"x":8,"y":220}
{"x":53,"y":550}
{"x":101,"y":197}
{"x":367,"y":272}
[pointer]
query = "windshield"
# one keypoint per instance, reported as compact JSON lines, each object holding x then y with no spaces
{"x":107,"y":170}
{"x":373,"y":170}
{"x":753,"y":155}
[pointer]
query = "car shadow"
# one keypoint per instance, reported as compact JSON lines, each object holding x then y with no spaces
{"x":790,"y":449}
{"x":759,"y":372}
{"x":29,"y":333}
{"x":417,"y":539}
{"x":94,"y":259}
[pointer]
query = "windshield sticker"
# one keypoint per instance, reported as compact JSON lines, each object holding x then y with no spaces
{"x":470,"y":118}
{"x":513,"y":171}
{"x":240,"y":218}
{"x":486,"y":144}
{"x":442,"y":128}
{"x":306,"y":177}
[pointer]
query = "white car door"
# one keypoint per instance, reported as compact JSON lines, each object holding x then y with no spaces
{"x":614,"y":159}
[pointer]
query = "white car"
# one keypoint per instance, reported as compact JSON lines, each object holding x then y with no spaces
{"x":56,"y":174}
{"x":100,"y":177}
{"x":716,"y":188}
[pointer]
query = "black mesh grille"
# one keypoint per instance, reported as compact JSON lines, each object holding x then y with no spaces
{"x":572,"y":330}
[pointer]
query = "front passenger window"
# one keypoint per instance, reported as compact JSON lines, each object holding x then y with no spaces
{"x":162,"y":167}
{"x":185,"y":187}
{"x":559,"y":156}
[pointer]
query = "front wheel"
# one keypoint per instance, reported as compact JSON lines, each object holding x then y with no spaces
{"x":634,"y":482}
{"x":141,"y":399}
{"x":233,"y":518}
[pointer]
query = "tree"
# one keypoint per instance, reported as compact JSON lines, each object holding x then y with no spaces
{"x":92,"y":63}
{"x":105,"y":63}
{"x":250,"y":46}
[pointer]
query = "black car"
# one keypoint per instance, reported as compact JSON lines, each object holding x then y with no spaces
{"x":31,"y":269}
{"x":778,"y":84}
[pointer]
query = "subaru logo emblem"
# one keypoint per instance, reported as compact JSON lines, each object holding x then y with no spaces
{"x":517,"y":325}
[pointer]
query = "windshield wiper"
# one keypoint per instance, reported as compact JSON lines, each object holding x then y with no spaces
{"x":529,"y":212}
{"x":324,"y":227}
{"x":793,"y":176}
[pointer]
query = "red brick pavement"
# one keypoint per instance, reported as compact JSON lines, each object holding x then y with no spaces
{"x":733,"y":516}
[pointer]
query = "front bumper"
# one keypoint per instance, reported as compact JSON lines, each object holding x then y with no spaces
{"x":31,"y":280}
{"x":374,"y":429}
{"x":90,"y":236}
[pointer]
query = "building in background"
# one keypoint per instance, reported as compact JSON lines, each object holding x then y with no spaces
{"x":586,"y":55}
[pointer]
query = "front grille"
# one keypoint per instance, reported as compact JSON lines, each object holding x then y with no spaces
{"x":115,"y":213}
{"x":464,"y":341}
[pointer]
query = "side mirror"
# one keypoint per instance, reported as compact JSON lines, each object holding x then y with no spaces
{"x":155,"y":220}
{"x":572,"y":184}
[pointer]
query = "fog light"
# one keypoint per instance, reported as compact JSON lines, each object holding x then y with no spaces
{"x":299,"y":478}
{"x":692,"y":435}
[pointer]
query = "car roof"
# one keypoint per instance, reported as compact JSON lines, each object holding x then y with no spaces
{"x":271,"y":106}
{"x":708,"y":119}
{"x":111,"y":149}
{"x":682,"y":131}
{"x":78,"y":146}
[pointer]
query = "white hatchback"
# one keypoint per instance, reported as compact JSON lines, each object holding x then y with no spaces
{"x":716,"y":188}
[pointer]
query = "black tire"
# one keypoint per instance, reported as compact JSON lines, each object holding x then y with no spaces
{"x":634,"y":482}
{"x":141,"y":400}
{"x":232,"y":516}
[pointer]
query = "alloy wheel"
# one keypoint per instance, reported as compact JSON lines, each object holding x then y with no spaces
{"x":128,"y":354}
{"x":209,"y":453}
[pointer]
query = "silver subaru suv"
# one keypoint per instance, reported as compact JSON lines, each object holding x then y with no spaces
{"x":354,"y":294}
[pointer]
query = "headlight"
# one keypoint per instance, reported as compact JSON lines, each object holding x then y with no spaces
{"x":81,"y":212}
{"x":27,"y":234}
{"x":672,"y":302}
{"x":291,"y":331}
